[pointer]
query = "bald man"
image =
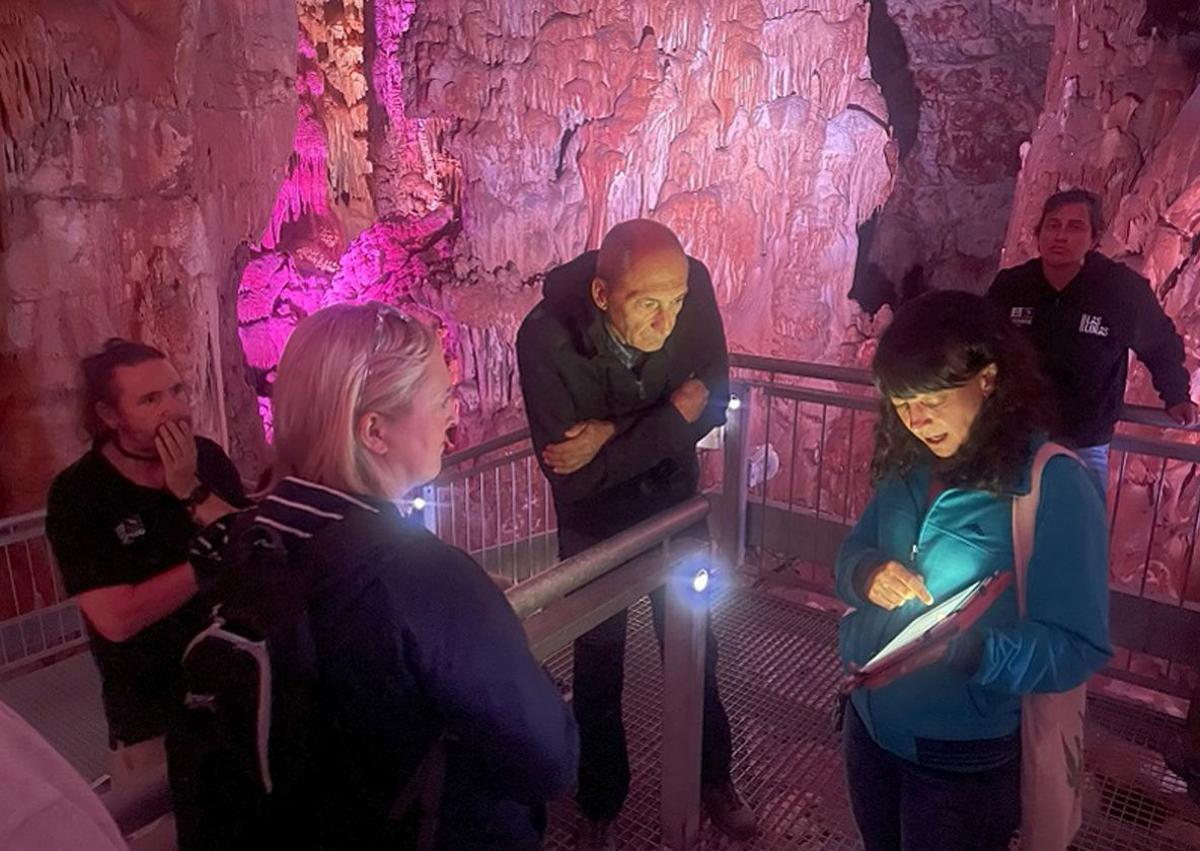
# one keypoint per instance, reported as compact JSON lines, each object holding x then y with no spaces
{"x":623,"y":369}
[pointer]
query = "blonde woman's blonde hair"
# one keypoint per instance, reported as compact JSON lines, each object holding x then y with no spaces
{"x":340,"y":363}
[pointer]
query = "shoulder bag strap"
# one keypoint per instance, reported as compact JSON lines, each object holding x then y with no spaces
{"x":1024,"y":517}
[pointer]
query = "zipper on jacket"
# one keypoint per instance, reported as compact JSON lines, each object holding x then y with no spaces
{"x":916,"y":547}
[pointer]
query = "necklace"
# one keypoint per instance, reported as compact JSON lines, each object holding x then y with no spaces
{"x":116,"y":442}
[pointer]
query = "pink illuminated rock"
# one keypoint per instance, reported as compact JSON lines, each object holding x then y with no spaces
{"x":142,"y":143}
{"x":504,"y":138}
{"x":740,"y":129}
{"x":963,"y":103}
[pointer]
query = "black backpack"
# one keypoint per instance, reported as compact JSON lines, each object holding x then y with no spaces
{"x":246,"y":750}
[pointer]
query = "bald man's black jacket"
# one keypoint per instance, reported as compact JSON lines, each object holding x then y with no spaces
{"x":571,"y":372}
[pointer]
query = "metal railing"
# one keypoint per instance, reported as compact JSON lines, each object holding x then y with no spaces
{"x":492,"y":501}
{"x":583,"y":591}
{"x":794,"y":476}
{"x":796,"y":456}
{"x":818,"y":421}
{"x":37,"y":620}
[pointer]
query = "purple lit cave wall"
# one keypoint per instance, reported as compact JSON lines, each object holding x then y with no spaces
{"x":203,"y":174}
{"x":449,"y":153}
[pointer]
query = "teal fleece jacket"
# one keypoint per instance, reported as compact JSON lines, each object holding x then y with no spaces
{"x":963,"y":536}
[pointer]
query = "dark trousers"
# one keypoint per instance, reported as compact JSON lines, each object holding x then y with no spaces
{"x":901,"y":806}
{"x":598,"y":683}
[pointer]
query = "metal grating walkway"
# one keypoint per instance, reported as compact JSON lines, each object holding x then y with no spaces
{"x":779,"y":672}
{"x":62,"y":702}
{"x":778,"y":676}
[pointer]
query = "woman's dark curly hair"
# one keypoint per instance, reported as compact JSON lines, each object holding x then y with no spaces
{"x":939,"y":341}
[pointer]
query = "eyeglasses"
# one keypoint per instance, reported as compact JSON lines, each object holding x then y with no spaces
{"x":382,"y":312}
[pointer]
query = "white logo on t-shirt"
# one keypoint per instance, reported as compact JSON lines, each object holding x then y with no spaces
{"x":130,"y":529}
{"x":1022,"y":316}
{"x":1093,"y":325}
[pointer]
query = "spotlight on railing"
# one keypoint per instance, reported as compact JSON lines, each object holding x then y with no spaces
{"x":700,"y":581}
{"x":418,"y":503}
{"x":734,"y":403}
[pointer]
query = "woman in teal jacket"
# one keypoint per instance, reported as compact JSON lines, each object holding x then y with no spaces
{"x":933,"y":757}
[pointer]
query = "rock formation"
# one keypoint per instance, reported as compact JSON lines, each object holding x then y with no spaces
{"x":964,"y":83}
{"x":504,"y":138}
{"x":142,"y":142}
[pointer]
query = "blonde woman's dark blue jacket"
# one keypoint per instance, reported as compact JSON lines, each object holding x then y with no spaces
{"x":963,"y":536}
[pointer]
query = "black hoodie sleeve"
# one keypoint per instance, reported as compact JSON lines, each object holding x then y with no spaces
{"x":711,"y":353}
{"x":640,"y":441}
{"x":1157,"y":344}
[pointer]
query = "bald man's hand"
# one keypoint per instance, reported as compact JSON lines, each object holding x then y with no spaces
{"x":583,"y":441}
{"x":690,"y":398}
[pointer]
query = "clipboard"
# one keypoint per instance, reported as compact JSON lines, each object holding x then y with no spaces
{"x":927,"y":636}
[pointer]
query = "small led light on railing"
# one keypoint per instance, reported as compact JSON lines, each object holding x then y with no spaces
{"x":418,"y":504}
{"x":700,"y":581}
{"x":734,"y":403}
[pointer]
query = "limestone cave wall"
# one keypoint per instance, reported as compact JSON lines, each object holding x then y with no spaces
{"x":964,"y":83}
{"x":498,"y":139}
{"x":142,"y":142}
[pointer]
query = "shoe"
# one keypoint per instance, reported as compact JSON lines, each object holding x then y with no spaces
{"x":729,"y":811}
{"x":1181,"y":761}
{"x":596,"y":835}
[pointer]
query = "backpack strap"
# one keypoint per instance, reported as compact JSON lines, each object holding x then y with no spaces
{"x":1024,"y":517}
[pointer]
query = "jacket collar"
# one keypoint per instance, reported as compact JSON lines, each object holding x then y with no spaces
{"x":917,"y":482}
{"x":300,"y":508}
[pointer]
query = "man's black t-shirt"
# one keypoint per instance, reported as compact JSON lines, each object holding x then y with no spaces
{"x":106,"y":530}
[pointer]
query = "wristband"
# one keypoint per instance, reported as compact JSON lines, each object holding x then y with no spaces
{"x":200,"y":493}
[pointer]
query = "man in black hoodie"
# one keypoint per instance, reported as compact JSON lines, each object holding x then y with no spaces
{"x":1084,"y":313}
{"x":624,"y":368}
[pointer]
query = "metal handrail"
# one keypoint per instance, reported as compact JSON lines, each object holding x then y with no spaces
{"x":808,"y":394}
{"x":1173,"y":450}
{"x":577,"y":571}
{"x":1151,"y":416}
{"x":802,"y":369}
{"x":479,"y":449}
{"x":1130,"y":413}
{"x":22,"y":519}
{"x":452,"y":476}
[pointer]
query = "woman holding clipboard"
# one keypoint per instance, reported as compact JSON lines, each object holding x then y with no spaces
{"x":933,"y":725}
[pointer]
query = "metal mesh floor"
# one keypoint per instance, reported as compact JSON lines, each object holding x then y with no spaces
{"x":778,"y":673}
{"x":62,"y":702}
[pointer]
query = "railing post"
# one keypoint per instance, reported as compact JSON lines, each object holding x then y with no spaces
{"x":429,"y":508}
{"x":731,"y":519}
{"x":683,"y":705}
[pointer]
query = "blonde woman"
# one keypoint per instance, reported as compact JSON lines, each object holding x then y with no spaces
{"x":410,"y":644}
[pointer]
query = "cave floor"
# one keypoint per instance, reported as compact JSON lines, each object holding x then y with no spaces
{"x":778,"y":674}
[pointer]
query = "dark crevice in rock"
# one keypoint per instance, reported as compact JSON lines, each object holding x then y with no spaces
{"x":889,"y":57}
{"x":1169,"y":18}
{"x":563,"y":144}
{"x":872,"y":288}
